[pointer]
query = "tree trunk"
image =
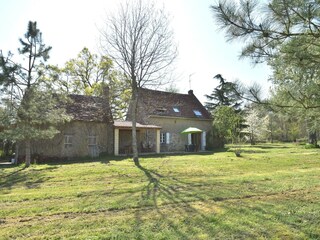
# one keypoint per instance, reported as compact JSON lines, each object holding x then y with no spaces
{"x":313,"y":138}
{"x":28,"y":152}
{"x":252,"y":140}
{"x":16,"y":153}
{"x":134,"y":100}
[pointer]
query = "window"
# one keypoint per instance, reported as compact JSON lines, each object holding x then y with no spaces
{"x":165,"y":138}
{"x":92,"y":140}
{"x":197,"y":113}
{"x":175,"y":109}
{"x":161,"y":110}
{"x":162,"y":137}
{"x":68,"y":141}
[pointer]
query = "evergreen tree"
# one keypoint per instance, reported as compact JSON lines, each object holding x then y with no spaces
{"x":31,"y":110}
{"x":224,"y":104}
{"x":286,"y":36}
{"x":224,"y":94}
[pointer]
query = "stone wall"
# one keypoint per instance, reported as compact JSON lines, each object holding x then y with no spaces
{"x":76,"y":139}
{"x":174,"y":126}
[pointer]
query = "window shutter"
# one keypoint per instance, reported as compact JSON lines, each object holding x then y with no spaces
{"x":189,"y":139}
{"x":167,"y":138}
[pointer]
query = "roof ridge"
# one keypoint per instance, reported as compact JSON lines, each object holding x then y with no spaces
{"x":162,"y":91}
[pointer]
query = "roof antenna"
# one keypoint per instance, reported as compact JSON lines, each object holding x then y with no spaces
{"x":190,"y":75}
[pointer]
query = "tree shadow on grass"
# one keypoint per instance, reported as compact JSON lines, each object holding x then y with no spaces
{"x":176,"y":205}
{"x":106,"y":159}
{"x":26,"y":177}
{"x":162,"y":188}
{"x":175,"y":154}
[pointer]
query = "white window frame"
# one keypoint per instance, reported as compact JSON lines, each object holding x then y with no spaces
{"x":163,"y":137}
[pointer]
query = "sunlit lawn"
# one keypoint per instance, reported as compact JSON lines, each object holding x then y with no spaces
{"x":271,"y":192}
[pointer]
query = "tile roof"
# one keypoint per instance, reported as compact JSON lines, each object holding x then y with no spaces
{"x":89,"y":108}
{"x":159,"y":103}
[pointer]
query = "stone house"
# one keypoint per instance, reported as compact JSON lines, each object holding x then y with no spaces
{"x":89,"y":133}
{"x":161,"y":118}
{"x":172,"y":113}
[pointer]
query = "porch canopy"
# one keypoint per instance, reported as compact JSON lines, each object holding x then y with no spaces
{"x":127,"y":125}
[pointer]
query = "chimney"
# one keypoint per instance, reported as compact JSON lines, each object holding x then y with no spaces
{"x":105,"y":92}
{"x":106,"y":103}
{"x":190,"y":92}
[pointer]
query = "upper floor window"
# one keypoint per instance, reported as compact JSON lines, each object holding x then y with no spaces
{"x":175,"y":109}
{"x":161,"y":110}
{"x":197,"y":113}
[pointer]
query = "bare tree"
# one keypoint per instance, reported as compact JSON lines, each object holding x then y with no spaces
{"x":139,"y":40}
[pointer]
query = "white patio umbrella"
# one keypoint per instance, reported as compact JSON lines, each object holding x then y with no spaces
{"x":192,"y":130}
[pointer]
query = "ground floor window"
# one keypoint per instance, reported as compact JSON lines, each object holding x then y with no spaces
{"x":68,"y":141}
{"x":162,"y":137}
{"x":92,"y":140}
{"x":165,"y":138}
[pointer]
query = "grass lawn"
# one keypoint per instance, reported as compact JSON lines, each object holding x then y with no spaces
{"x":271,"y":192}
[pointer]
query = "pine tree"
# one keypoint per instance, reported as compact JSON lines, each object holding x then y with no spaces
{"x":32,"y":110}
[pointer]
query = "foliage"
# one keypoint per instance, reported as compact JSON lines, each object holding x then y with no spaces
{"x":285,"y":34}
{"x":31,"y":108}
{"x":224,"y":104}
{"x":227,"y":123}
{"x":265,"y":27}
{"x":271,"y":192}
{"x":89,"y":74}
{"x":257,"y":125}
{"x":223,"y":95}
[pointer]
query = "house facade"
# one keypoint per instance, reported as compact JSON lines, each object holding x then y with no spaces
{"x":161,"y":118}
{"x":174,"y":112}
{"x":89,"y":133}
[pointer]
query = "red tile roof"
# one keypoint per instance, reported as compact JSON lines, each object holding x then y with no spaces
{"x":159,"y":103}
{"x":89,"y":108}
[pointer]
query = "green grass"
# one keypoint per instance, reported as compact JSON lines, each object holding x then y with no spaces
{"x":271,"y":192}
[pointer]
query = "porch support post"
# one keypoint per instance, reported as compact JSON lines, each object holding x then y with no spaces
{"x":203,"y":141}
{"x":158,"y":141}
{"x":116,"y":142}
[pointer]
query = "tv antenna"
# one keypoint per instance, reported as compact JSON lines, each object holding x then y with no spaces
{"x":190,"y":75}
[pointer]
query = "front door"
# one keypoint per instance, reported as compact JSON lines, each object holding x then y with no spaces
{"x":196,"y":141}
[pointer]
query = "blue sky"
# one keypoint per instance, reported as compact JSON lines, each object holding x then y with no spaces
{"x":70,"y":25}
